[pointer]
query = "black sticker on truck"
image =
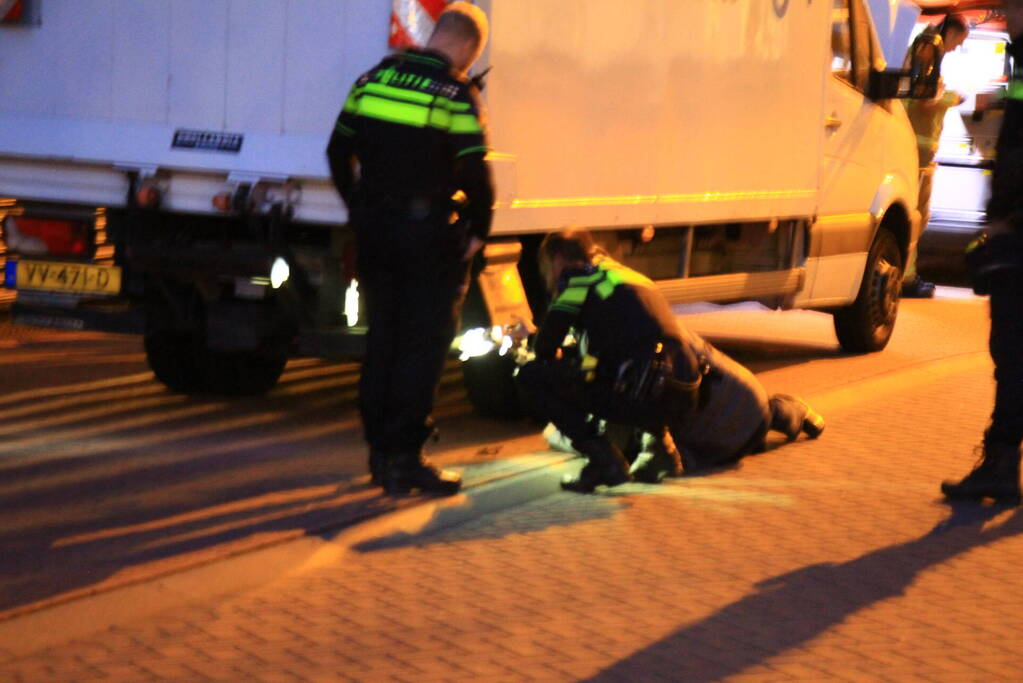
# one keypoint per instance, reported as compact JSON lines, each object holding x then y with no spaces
{"x":208,"y":140}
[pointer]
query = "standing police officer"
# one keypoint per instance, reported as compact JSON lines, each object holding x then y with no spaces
{"x":410,"y":136}
{"x":997,"y":474}
{"x":650,"y":373}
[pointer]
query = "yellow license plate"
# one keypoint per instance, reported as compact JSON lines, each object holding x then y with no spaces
{"x":79,"y":278}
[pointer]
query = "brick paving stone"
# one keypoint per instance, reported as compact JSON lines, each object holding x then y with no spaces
{"x":832,"y":559}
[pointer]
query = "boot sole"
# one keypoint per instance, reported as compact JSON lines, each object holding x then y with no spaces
{"x":947,"y":489}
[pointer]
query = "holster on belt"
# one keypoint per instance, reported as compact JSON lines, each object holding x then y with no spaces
{"x":654,"y":383}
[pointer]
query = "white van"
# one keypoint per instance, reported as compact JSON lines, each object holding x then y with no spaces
{"x":158,"y":159}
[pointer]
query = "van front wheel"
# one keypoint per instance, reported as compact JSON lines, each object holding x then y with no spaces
{"x":867,"y":324}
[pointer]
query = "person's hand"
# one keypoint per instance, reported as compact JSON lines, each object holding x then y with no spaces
{"x":521,"y":330}
{"x":475,"y":244}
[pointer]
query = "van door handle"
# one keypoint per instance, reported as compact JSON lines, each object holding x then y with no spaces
{"x":832,"y":122}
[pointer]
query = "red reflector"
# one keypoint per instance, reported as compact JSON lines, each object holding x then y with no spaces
{"x":47,"y":236}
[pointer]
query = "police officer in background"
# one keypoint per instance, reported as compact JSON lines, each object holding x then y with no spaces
{"x":650,"y":374}
{"x":928,"y":120}
{"x":411,"y":136}
{"x":998,"y":270}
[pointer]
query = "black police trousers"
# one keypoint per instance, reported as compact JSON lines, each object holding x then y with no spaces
{"x":412,"y":278}
{"x":1006,"y":344}
{"x":557,"y":391}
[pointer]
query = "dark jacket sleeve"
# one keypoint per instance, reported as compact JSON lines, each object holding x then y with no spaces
{"x":341,"y":159}
{"x":552,"y":333}
{"x":473,"y":177}
{"x":1006,"y":202}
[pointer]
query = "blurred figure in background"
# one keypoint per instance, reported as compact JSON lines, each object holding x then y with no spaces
{"x":928,"y":119}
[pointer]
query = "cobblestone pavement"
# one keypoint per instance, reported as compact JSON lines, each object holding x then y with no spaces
{"x":832,"y":559}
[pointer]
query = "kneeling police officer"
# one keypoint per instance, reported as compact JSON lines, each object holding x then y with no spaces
{"x":703,"y":408}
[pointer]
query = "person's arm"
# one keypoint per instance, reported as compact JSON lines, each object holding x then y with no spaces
{"x":341,"y":149}
{"x":472,"y":172}
{"x":561,"y":316}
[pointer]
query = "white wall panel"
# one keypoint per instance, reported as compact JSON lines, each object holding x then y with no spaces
{"x":198,"y":63}
{"x":84,"y":54}
{"x":255,"y":64}
{"x":141,"y":59}
{"x":329,"y":44}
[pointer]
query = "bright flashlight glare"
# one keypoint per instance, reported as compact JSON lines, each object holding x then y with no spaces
{"x":352,"y":304}
{"x":506,"y":345}
{"x":280,"y":271}
{"x":475,"y":342}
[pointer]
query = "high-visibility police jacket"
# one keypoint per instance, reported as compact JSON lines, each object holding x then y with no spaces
{"x":621,"y":312}
{"x":418,"y":133}
{"x":624,"y":316}
{"x":1006,"y":203}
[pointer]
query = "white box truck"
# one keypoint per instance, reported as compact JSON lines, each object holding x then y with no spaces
{"x":162,"y":165}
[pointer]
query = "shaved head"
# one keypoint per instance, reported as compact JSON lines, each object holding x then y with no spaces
{"x":461,"y":33}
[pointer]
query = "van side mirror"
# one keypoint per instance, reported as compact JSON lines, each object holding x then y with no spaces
{"x":918,"y":79}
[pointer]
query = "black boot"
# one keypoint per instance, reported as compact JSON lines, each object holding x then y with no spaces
{"x":606,"y":465}
{"x":918,"y":288}
{"x":995,"y":476}
{"x":663,"y":459}
{"x":377,"y":466}
{"x":793,"y":416}
{"x":407,"y":472}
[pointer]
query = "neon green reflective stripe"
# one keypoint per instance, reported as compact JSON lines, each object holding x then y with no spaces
{"x":472,"y":150}
{"x":1015,"y":91}
{"x":410,"y":95}
{"x":352,"y":100}
{"x":568,"y":308}
{"x":404,"y":113}
{"x":572,"y":295}
{"x":440,"y":119}
{"x":606,"y":288}
{"x":585,"y":280}
{"x":397,"y":93}
{"x":465,"y":123}
{"x":617,"y":275}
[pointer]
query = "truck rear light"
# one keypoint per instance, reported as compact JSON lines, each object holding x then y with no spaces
{"x":30,"y":236}
{"x":148,"y":196}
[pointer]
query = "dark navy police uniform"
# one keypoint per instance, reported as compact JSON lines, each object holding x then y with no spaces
{"x":417,"y":133}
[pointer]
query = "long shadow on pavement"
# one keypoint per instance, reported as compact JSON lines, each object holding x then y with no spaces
{"x":826,"y":595}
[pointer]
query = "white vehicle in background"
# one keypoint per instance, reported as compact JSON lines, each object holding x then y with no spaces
{"x":162,"y":167}
{"x":979,"y":70}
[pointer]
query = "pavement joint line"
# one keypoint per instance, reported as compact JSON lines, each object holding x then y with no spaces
{"x":395,"y":506}
{"x":39,"y":625}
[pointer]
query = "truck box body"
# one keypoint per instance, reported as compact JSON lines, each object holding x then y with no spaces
{"x":728,"y":148}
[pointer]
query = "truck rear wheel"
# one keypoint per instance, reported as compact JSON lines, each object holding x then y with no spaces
{"x":173,"y":357}
{"x":182,"y":362}
{"x":867,"y":324}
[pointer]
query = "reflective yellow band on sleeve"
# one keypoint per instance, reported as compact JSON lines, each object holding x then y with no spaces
{"x":465,"y":123}
{"x":479,"y":149}
{"x":1015,"y":90}
{"x":572,"y":295}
